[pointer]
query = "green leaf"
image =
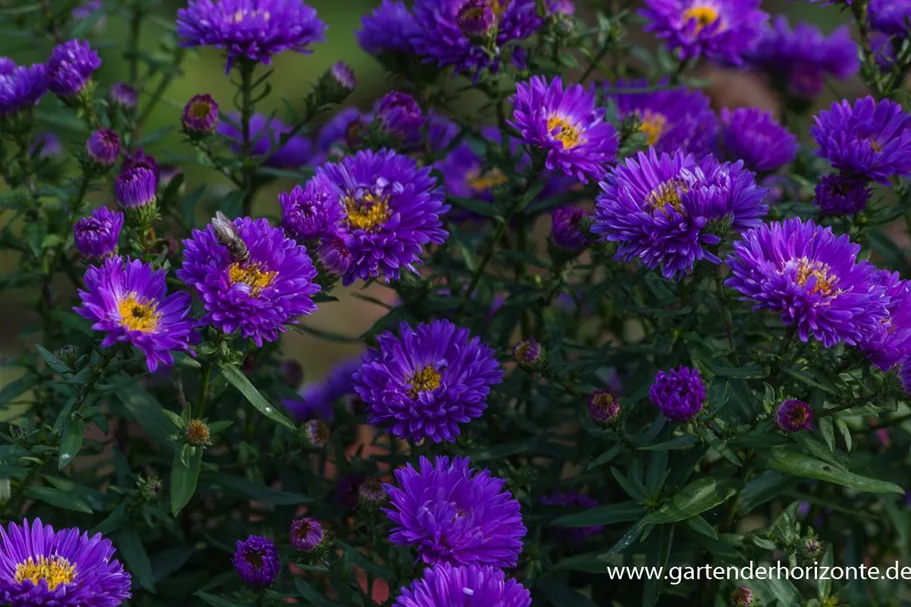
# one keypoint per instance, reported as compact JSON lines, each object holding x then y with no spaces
{"x":747,"y":372}
{"x":587,"y":563}
{"x":559,"y":594}
{"x":678,"y":442}
{"x":219,"y":601}
{"x":602,"y":515}
{"x":809,"y":379}
{"x":798,"y":464}
{"x":17,"y":387}
{"x":260,"y":493}
{"x":827,"y":428}
{"x":137,"y":561}
{"x":605,"y":457}
{"x":70,"y":442}
{"x":184,"y":476}
{"x":479,"y":207}
{"x":236,"y":378}
{"x":504,"y":450}
{"x":147,"y":411}
{"x":60,"y":499}
{"x":845,"y":431}
{"x":313,"y":596}
{"x":52,"y":361}
{"x":697,"y":497}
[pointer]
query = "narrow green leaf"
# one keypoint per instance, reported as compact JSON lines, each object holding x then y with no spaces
{"x":70,"y":442}
{"x":798,"y":464}
{"x":17,"y":388}
{"x":147,"y":411}
{"x":602,"y":515}
{"x":60,"y":499}
{"x":479,"y":207}
{"x":605,"y":457}
{"x":236,"y":378}
{"x":313,"y":596}
{"x":137,"y":561}
{"x":218,"y":601}
{"x":184,"y":477}
{"x":845,"y":431}
{"x":827,"y":428}
{"x":697,"y":497}
{"x":52,"y":361}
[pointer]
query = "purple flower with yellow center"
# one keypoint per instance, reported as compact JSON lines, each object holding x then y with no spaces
{"x":577,"y":502}
{"x":317,"y":401}
{"x":838,"y":194}
{"x":665,"y":210}
{"x":812,"y":278}
{"x":388,"y":29}
{"x":71,"y":67}
{"x":256,"y":561}
{"x":891,"y":17}
{"x":566,"y":125}
{"x":251,"y":29}
{"x":794,"y":415}
{"x":754,"y":136}
{"x":266,"y":135}
{"x":103,"y":147}
{"x":124,"y":96}
{"x":870,"y":138}
{"x":307,"y":214}
{"x":390,"y":210}
{"x":603,"y":406}
{"x":448,"y":32}
{"x":451,"y":513}
{"x":96,"y":236}
{"x":66,"y":568}
{"x":427,"y":381}
{"x":200,"y":115}
{"x":890,"y":343}
{"x":801,"y":58}
{"x":670,"y":118}
{"x":463,"y":586}
{"x":714,"y":29}
{"x":400,"y":115}
{"x":135,"y":189}
{"x":21,"y":87}
{"x":679,"y":393}
{"x":466,"y":175}
{"x":306,"y":534}
{"x":568,"y":228}
{"x":128,"y":300}
{"x":250,"y":277}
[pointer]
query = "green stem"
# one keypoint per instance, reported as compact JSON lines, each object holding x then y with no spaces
{"x":246,"y":113}
{"x":203,"y":390}
{"x":133,"y":44}
{"x":782,"y":349}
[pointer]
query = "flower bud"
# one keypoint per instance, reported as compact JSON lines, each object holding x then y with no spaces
{"x":197,"y":433}
{"x":400,"y":115}
{"x":476,"y":18}
{"x":150,"y":487}
{"x":742,"y":597}
{"x":123,"y":96}
{"x":603,"y":407}
{"x":371,"y":493}
{"x":96,"y":236}
{"x":68,"y":355}
{"x":306,"y":534}
{"x":316,"y":433}
{"x":103,"y":148}
{"x":70,"y":68}
{"x":811,"y":549}
{"x":135,"y":191}
{"x":794,"y":415}
{"x":529,"y":354}
{"x":200,"y":116}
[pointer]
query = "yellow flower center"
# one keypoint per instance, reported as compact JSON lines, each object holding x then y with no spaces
{"x":704,"y":16}
{"x":564,"y":132}
{"x":252,"y":275}
{"x":876,"y":147}
{"x":200,"y":109}
{"x":653,"y":126}
{"x":667,"y":193}
{"x":55,"y":570}
{"x":367,"y":212}
{"x":243,"y":14}
{"x":487,"y":181}
{"x":825,"y":284}
{"x":498,"y":6}
{"x":425,"y":380}
{"x":136,"y":315}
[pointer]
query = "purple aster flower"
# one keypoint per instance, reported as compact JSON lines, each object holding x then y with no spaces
{"x":128,"y":300}
{"x":124,"y":96}
{"x":453,"y":514}
{"x":465,"y":175}
{"x":440,"y":132}
{"x":890,"y":343}
{"x":266,"y":133}
{"x":307,"y":214}
{"x":140,"y":160}
{"x":794,"y":415}
{"x":71,"y":67}
{"x":603,"y":406}
{"x":21,"y":87}
{"x":66,"y":568}
{"x":317,"y":401}
{"x":664,"y":209}
{"x":476,"y":18}
{"x":424,"y":383}
{"x":252,"y":29}
{"x":577,"y":502}
{"x":671,"y":119}
{"x":306,"y":534}
{"x":715,"y":29}
{"x":455,"y":586}
{"x":200,"y":115}
{"x":679,"y":393}
{"x":96,"y":236}
{"x":344,"y":128}
{"x":334,"y":256}
{"x":390,"y":210}
{"x":868,"y":138}
{"x":400,"y":115}
{"x":256,"y":561}
{"x":257,"y":282}
{"x":569,"y":229}
{"x":891,"y":17}
{"x":103,"y":147}
{"x":135,"y":188}
{"x":810,"y":276}
{"x":752,"y":135}
{"x":801,"y":58}
{"x":438,"y":35}
{"x":904,"y":375}
{"x":840,"y":195}
{"x":566,"y":125}
{"x":388,"y":29}
{"x":47,"y":144}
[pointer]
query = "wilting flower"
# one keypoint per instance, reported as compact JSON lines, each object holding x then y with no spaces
{"x":123,"y":95}
{"x":453,"y":514}
{"x":66,"y":568}
{"x":578,"y":502}
{"x":307,"y":214}
{"x":317,"y":400}
{"x":568,"y":228}
{"x":842,"y":195}
{"x":400,"y":115}
{"x":664,"y":210}
{"x":96,"y":236}
{"x":388,"y":29}
{"x":794,"y":415}
{"x":891,"y":17}
{"x":251,"y":29}
{"x":810,"y":276}
{"x":426,"y":382}
{"x":890,"y":343}
{"x":679,"y":393}
{"x":870,"y":138}
{"x":103,"y":147}
{"x":455,"y":586}
{"x":200,"y":115}
{"x":256,"y":561}
{"x":306,"y":534}
{"x":801,"y":58}
{"x":266,"y":134}
{"x":670,"y":118}
{"x":714,"y":29}
{"x":256,"y":283}
{"x":21,"y":87}
{"x":752,"y":135}
{"x":603,"y":406}
{"x":128,"y":300}
{"x":71,"y":67}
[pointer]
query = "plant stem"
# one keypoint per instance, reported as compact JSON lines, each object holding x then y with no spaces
{"x":133,"y":44}
{"x":203,"y":390}
{"x":246,"y":113}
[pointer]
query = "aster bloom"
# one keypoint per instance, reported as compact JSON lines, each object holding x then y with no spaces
{"x":469,"y":586}
{"x":21,"y":87}
{"x":752,"y":135}
{"x":255,"y":280}
{"x":867,"y":138}
{"x":670,"y":118}
{"x":453,"y":514}
{"x":306,"y":534}
{"x":200,"y":115}
{"x":904,"y":375}
{"x":679,"y":393}
{"x":842,"y":195}
{"x":400,"y":115}
{"x":715,"y":29}
{"x":424,"y":383}
{"x":251,"y":29}
{"x":578,"y":502}
{"x":390,"y":209}
{"x":568,"y":228}
{"x":794,"y":415}
{"x":256,"y":561}
{"x":891,"y":17}
{"x":66,"y":568}
{"x":664,"y":210}
{"x":128,"y":300}
{"x":446,"y":31}
{"x":317,"y":401}
{"x":810,"y":276}
{"x":96,"y":236}
{"x":465,"y":174}
{"x":566,"y":125}
{"x":603,"y":407}
{"x":124,"y":96}
{"x":266,"y":134}
{"x":103,"y":147}
{"x":801,"y":58}
{"x":890,"y":343}
{"x":307,"y":214}
{"x":388,"y":29}
{"x":71,"y":67}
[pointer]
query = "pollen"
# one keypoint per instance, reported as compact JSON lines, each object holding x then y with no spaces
{"x":425,"y":380}
{"x":561,"y":130}
{"x":668,"y":193}
{"x":366,"y":212}
{"x":55,"y":570}
{"x":704,"y":16}
{"x":653,"y":125}
{"x":484,"y":182}
{"x":137,"y":315}
{"x":252,"y":274}
{"x":824,"y":281}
